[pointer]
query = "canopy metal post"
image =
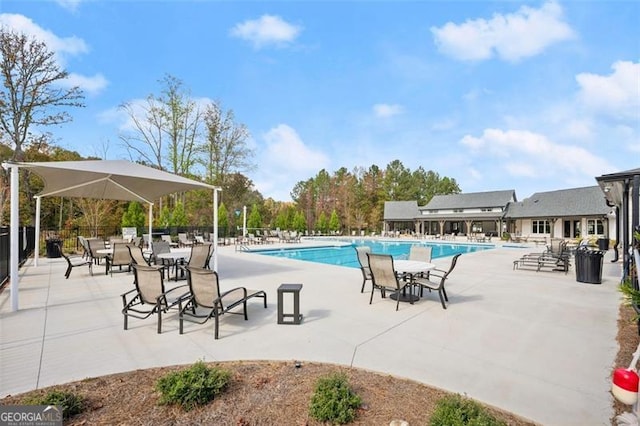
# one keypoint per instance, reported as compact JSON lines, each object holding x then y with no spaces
{"x":150,"y":224}
{"x":36,"y":245}
{"x":215,"y":229}
{"x":13,"y":229}
{"x":244,"y":222}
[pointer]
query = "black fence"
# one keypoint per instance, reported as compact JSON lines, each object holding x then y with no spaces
{"x":70,"y":242}
{"x":26,"y":235}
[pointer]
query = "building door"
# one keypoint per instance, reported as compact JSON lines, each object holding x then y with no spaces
{"x":572,"y":229}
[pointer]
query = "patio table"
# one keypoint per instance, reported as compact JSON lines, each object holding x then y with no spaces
{"x":410,"y":267}
{"x":174,"y":256}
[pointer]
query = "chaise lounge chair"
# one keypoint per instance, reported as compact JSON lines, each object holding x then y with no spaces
{"x":205,"y":300}
{"x":149,"y":297}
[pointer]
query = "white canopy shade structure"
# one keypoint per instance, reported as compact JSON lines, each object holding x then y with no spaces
{"x":99,"y":179}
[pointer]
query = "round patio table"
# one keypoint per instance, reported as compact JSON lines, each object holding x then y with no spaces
{"x":410,"y":267}
{"x":175,"y":256}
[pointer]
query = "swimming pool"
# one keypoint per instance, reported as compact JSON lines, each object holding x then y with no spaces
{"x":341,"y":251}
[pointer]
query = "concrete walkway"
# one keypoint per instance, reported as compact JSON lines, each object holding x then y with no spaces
{"x":538,"y":344}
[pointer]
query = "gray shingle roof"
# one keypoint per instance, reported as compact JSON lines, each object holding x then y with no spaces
{"x":587,"y":201}
{"x":400,"y":210}
{"x":471,"y":200}
{"x":464,"y":216}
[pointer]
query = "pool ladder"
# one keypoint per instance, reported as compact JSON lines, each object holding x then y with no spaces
{"x":241,"y":247}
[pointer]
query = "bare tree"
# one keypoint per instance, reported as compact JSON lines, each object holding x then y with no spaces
{"x":95,"y":213}
{"x":145,"y":140}
{"x":166,"y":128}
{"x":30,"y":94}
{"x":184,"y":121}
{"x":226,"y":150}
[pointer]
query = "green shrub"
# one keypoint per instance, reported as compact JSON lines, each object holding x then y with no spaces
{"x":333,"y":401}
{"x":196,"y":385}
{"x":70,"y":402}
{"x":456,"y":410}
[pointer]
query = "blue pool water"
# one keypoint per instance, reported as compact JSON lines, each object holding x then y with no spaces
{"x":345,"y":255}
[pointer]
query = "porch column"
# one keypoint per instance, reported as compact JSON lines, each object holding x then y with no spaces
{"x":469,"y":224}
{"x":441,"y":223}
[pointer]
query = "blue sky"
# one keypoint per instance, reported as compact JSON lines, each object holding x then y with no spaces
{"x":531,"y":96}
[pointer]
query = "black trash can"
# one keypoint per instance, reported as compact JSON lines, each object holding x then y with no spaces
{"x":589,"y":266}
{"x":603,"y":244}
{"x":53,"y":249}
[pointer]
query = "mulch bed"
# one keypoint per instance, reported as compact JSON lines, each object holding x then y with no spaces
{"x":268,"y":393}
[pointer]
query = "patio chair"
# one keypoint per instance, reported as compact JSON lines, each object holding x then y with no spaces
{"x":138,"y":258}
{"x":85,"y":247}
{"x":556,"y":246}
{"x":205,"y":300}
{"x":159,"y":247}
{"x":120,"y":257}
{"x":558,"y":249}
{"x":438,"y":283}
{"x":149,"y":297}
{"x":116,"y":240}
{"x":146,"y":241}
{"x":184,"y":241}
{"x":73,"y":261}
{"x":384,"y":277}
{"x":94,"y":245}
{"x":422,"y":254}
{"x":199,"y":258}
{"x":363,"y":260}
{"x":167,"y":238}
{"x":200,"y":255}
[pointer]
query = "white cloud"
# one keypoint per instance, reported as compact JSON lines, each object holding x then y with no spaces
{"x":287,"y":152}
{"x":617,"y":94}
{"x":521,"y":169}
{"x":579,"y":129}
{"x":511,"y":37}
{"x":92,"y":85}
{"x":524,"y":153}
{"x":387,"y":110}
{"x":71,"y":5}
{"x":267,"y":30}
{"x":124,"y":119}
{"x":286,"y":160}
{"x":61,"y":46}
{"x":444,"y":124}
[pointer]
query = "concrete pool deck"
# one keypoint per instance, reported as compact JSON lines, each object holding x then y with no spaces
{"x":538,"y":344}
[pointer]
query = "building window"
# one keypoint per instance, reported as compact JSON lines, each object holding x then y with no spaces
{"x":541,"y":227}
{"x":433,"y":211}
{"x":487,"y":209}
{"x":595,"y":227}
{"x":458,"y":210}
